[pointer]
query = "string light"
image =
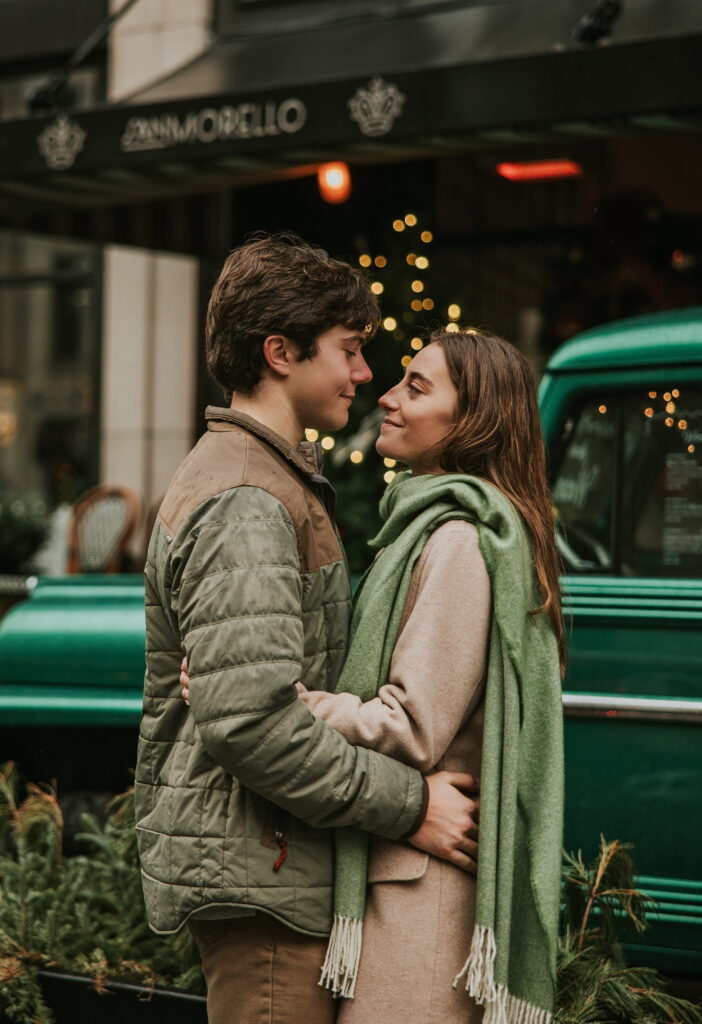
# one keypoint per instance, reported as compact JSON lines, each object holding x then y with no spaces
{"x":411,"y":258}
{"x":452,"y":327}
{"x":380,"y":261}
{"x":667,"y":396}
{"x":648,"y":412}
{"x":682,"y":424}
{"x":328,"y":443}
{"x":410,"y":220}
{"x":416,"y":344}
{"x":428,"y":304}
{"x":377,"y":288}
{"x":691,"y":449}
{"x":311,"y":434}
{"x":652,"y":394}
{"x":416,"y":305}
{"x":389,"y":476}
{"x":669,"y":421}
{"x":417,"y":286}
{"x":398,"y":225}
{"x":356,"y":456}
{"x":454,"y":311}
{"x":602,"y":409}
{"x":389,"y":323}
{"x":406,"y":360}
{"x":675,"y":393}
{"x":364,"y":259}
{"x":389,"y":463}
{"x":426,"y":236}
{"x":670,"y":407}
{"x":421,"y":263}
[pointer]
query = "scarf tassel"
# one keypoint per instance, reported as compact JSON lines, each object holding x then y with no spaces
{"x":340,"y":968}
{"x":479,"y":972}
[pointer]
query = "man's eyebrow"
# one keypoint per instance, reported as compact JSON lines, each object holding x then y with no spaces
{"x":416,"y":375}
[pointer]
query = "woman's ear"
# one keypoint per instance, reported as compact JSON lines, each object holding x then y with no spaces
{"x":279,"y":352}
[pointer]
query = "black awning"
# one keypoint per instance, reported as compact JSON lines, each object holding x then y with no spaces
{"x":230,"y":134}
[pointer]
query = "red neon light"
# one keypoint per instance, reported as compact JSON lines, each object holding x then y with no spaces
{"x":334,"y":181}
{"x":539,"y":170}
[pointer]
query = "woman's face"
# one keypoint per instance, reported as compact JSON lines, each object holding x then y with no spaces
{"x":419,"y":413}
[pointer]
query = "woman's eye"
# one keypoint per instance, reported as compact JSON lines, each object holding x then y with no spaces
{"x":413,"y":389}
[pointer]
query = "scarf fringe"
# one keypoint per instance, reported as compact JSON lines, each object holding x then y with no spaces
{"x":479,"y":972}
{"x":340,"y":968}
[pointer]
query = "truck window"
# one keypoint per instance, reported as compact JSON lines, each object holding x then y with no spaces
{"x":627,"y":491}
{"x":661,"y":529}
{"x":583,"y":490}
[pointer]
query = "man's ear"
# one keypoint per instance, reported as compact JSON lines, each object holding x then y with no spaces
{"x":279,"y":352}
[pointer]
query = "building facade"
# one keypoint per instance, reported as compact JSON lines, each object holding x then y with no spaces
{"x":531,"y":167}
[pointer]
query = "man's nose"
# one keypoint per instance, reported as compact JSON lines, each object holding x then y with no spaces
{"x":361,"y":373}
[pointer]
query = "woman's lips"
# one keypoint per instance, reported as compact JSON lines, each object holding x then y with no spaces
{"x":388,"y":423}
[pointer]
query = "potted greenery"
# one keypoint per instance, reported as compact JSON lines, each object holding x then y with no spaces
{"x":73,"y":930}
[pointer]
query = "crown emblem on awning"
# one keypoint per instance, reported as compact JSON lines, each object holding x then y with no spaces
{"x":61,"y":142}
{"x":375,"y":107}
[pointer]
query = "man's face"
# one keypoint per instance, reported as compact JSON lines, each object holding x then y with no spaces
{"x":322,"y":388}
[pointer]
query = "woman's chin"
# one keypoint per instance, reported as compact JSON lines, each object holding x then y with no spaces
{"x":384,"y":448}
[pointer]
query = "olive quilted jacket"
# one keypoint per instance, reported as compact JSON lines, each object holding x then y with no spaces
{"x":245,"y":575}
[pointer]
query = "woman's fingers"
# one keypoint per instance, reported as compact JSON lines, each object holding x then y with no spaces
{"x":185,"y":680}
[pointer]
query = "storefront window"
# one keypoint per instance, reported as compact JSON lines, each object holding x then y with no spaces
{"x":48,"y":370}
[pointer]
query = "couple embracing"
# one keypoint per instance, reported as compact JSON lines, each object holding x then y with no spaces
{"x":312,"y":813}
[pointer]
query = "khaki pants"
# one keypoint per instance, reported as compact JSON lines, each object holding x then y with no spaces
{"x":260,"y":972}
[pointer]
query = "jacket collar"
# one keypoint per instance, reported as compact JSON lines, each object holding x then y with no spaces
{"x":306,"y":458}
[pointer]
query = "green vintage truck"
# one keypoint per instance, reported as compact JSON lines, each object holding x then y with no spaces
{"x":622,"y":416}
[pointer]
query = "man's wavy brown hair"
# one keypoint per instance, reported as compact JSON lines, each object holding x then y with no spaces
{"x":280,"y":284}
{"x":497,"y":436}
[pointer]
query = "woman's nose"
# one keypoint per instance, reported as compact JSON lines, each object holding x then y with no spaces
{"x":388,"y":400}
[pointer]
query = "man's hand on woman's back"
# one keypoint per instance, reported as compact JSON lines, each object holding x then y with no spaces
{"x":450,"y":827}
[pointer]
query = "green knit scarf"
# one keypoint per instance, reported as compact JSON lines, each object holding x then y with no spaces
{"x":511,"y":964}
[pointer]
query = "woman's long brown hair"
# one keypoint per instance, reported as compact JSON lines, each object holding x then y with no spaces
{"x":497,"y":436}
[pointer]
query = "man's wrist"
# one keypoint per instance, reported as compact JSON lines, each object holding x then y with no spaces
{"x":419,"y":820}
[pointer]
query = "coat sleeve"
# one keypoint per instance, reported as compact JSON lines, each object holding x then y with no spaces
{"x":237,"y":597}
{"x":438,"y":665}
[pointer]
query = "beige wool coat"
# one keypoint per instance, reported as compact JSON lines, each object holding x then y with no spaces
{"x":419,"y":917}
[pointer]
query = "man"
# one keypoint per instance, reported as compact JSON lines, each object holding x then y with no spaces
{"x":236,"y":796}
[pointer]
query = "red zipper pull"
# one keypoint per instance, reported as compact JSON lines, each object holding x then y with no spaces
{"x":283,"y":844}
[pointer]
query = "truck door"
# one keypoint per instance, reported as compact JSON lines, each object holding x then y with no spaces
{"x":627,"y":491}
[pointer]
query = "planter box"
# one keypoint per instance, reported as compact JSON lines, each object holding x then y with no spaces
{"x":73,"y":1000}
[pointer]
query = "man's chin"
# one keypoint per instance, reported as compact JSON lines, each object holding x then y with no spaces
{"x":332,"y":423}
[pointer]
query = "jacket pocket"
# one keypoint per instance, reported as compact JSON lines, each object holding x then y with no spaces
{"x":395,"y":861}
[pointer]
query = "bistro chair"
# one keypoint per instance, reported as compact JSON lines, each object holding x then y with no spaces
{"x":102,"y":525}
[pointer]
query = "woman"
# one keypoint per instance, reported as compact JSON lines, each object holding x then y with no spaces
{"x":454,"y":662}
